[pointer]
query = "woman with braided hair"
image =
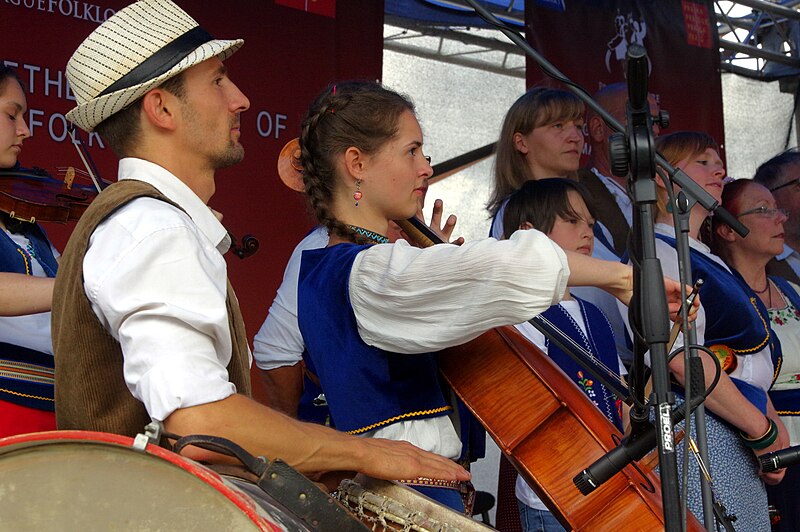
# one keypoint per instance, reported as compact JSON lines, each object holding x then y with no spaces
{"x":364,"y":303}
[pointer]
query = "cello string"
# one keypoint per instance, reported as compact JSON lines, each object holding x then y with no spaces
{"x":597,"y":367}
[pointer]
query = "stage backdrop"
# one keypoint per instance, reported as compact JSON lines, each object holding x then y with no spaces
{"x":293,"y":48}
{"x":587,"y":40}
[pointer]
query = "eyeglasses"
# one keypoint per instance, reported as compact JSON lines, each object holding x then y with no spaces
{"x":788,"y":183}
{"x":764,"y":212}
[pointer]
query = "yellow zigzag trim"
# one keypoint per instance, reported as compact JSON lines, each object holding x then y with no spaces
{"x":760,"y":346}
{"x":25,"y":260}
{"x":397,"y":418}
{"x":26,"y":395}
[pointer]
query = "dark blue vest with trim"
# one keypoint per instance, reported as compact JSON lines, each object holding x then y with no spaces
{"x":786,"y":402}
{"x":26,"y":375}
{"x":366,"y":388}
{"x":15,"y":260}
{"x":735,"y":317}
{"x":599,"y":340}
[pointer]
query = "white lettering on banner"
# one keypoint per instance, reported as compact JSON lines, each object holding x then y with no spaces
{"x":269,"y":126}
{"x":67,"y":8}
{"x":57,"y":127}
{"x":52,"y":79}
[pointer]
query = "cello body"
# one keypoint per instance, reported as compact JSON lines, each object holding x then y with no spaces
{"x":550,"y":431}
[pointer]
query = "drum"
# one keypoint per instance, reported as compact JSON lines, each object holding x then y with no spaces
{"x":76,"y":480}
{"x":383,"y":505}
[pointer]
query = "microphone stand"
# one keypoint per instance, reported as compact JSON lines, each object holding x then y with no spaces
{"x":649,"y":307}
{"x":694,"y":373}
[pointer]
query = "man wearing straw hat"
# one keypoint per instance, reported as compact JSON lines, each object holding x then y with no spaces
{"x":145,"y":324}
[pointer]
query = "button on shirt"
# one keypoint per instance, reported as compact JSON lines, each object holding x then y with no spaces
{"x":157,"y":281}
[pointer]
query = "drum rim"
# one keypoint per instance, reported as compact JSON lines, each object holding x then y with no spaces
{"x":240,"y":500}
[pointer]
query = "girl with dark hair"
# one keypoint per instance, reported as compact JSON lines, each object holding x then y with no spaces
{"x":364,"y":305}
{"x":560,"y":208}
{"x":756,"y":208}
{"x":733,"y":324}
{"x":541,"y":137}
{"x":28,"y":263}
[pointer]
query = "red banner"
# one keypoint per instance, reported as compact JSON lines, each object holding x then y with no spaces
{"x":320,"y":7}
{"x":288,"y":57}
{"x":587,"y":40}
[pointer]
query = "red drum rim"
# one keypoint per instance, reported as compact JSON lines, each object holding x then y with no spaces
{"x":188,"y":465}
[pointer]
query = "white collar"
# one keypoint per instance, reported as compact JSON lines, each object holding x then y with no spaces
{"x":177,"y":191}
{"x":786,"y":253}
{"x":669,"y":230}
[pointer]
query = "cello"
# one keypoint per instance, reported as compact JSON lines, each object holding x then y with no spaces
{"x":538,"y":417}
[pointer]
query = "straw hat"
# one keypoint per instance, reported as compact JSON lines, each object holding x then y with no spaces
{"x":135,"y":50}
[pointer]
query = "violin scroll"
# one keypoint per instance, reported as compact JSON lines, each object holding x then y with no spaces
{"x":248,"y":247}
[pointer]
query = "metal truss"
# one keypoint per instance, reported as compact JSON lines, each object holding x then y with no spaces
{"x":758,"y":39}
{"x":483,"y":49}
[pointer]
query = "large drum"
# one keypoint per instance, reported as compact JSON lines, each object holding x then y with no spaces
{"x":87,"y":481}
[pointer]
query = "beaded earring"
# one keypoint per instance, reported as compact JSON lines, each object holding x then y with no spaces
{"x":357,"y":195}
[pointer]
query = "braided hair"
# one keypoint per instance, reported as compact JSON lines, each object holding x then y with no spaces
{"x":359,"y":114}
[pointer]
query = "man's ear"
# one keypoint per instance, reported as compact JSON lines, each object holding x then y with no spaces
{"x":526,"y":225}
{"x":161,"y":108}
{"x":597,"y":130}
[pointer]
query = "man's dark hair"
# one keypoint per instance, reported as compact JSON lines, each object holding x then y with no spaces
{"x":121,"y":130}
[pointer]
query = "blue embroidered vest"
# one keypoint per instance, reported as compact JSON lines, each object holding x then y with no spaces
{"x":735,"y":317}
{"x":26,"y":375}
{"x":366,"y":387}
{"x":13,"y":258}
{"x":599,"y":340}
{"x":786,"y":402}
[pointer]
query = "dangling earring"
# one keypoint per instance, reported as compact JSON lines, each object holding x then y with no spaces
{"x":357,"y":194}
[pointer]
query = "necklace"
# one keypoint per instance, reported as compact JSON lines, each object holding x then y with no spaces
{"x":372,"y":236}
{"x":761,"y":291}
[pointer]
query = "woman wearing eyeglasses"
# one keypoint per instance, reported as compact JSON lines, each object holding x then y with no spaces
{"x":741,"y":422}
{"x":781,"y":175}
{"x":755,"y":207}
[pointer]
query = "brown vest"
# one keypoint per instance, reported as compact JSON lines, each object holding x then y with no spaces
{"x":90,"y":390}
{"x":607,"y":209}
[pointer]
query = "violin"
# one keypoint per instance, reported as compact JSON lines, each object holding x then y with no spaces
{"x":33,"y":195}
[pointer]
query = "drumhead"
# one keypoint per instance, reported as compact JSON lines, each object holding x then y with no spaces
{"x":92,"y":481}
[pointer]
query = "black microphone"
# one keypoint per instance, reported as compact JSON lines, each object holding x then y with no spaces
{"x":779,"y":459}
{"x":632,"y":448}
{"x":637,"y":73}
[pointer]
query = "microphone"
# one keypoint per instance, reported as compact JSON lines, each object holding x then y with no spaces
{"x":779,"y":459}
{"x":632,"y":448}
{"x":637,"y":74}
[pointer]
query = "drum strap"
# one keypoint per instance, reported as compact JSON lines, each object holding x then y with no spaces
{"x":299,"y":495}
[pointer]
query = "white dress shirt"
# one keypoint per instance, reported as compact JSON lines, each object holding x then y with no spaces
{"x":156,"y":279}
{"x":412,"y":300}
